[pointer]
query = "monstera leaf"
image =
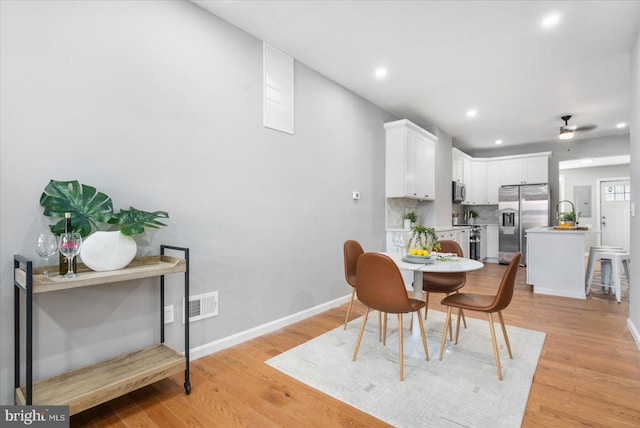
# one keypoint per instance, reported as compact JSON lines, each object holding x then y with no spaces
{"x":86,"y":205}
{"x":134,"y":221}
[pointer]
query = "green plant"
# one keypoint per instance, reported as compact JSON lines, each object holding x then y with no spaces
{"x":473,"y":214}
{"x":422,"y":238}
{"x":567,"y":216}
{"x":411,"y":216}
{"x":89,"y":208}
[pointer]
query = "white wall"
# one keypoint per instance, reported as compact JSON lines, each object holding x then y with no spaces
{"x":159,"y":105}
{"x":634,"y":300}
{"x":590,"y":177}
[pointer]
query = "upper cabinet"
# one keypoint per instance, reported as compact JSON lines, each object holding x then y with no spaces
{"x":528,"y":170}
{"x":410,"y":161}
{"x":461,"y":166}
{"x":484,"y":176}
{"x":477,"y":186}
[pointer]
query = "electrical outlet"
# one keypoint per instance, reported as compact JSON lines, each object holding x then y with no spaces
{"x":168,"y":314}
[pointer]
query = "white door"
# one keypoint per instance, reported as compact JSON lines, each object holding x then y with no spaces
{"x":615,"y":218}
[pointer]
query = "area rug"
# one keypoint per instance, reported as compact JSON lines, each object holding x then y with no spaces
{"x":462,"y":390}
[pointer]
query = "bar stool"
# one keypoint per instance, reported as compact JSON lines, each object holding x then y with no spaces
{"x":616,"y":258}
{"x":591,"y":264}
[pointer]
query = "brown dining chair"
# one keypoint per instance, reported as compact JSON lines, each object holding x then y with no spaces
{"x":446,"y":283}
{"x":352,"y":251}
{"x":380,"y":286}
{"x":485,"y":303}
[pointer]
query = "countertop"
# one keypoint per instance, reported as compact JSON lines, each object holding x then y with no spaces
{"x":476,"y":224}
{"x":552,"y":230}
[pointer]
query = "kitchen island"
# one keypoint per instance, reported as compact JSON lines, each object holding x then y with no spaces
{"x":556,"y":261}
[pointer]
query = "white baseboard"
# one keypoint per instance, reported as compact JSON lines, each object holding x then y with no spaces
{"x":634,"y":332}
{"x":234,"y":339}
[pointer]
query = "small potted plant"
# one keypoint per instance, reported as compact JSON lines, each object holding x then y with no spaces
{"x":410,"y":219}
{"x":422,"y":241}
{"x":471,"y":215}
{"x":567,"y":218}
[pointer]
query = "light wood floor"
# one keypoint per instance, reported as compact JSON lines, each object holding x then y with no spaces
{"x":588,"y":374}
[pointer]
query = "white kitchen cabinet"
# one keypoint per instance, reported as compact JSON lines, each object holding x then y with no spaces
{"x":410,"y":161}
{"x":462,"y":238}
{"x":527,"y":170}
{"x":458,"y":234}
{"x":492,"y":241}
{"x":536,"y":170}
{"x":483,"y":242}
{"x":477,"y":186}
{"x":493,"y":182}
{"x":460,"y":165}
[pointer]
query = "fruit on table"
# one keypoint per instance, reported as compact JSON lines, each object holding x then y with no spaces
{"x":417,"y":252}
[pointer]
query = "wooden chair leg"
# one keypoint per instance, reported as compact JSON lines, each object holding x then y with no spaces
{"x":379,"y":326}
{"x":458,"y":325}
{"x":424,"y":336}
{"x":504,"y":332}
{"x":447,"y":321}
{"x":346,"y":319}
{"x":464,"y":320}
{"x":426,"y":307}
{"x":384,"y":335}
{"x":495,"y":345}
{"x":364,"y":322}
{"x":400,"y":344}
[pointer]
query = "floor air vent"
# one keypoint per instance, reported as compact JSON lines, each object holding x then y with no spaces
{"x":201,"y":306}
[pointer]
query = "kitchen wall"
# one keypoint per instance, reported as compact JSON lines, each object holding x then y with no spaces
{"x":563,"y":151}
{"x":159,"y":105}
{"x":589,"y":177}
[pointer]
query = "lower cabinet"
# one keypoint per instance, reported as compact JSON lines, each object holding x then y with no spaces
{"x":458,"y":234}
{"x":492,"y":241}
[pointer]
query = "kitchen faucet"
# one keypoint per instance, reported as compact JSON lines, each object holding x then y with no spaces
{"x":573,"y":208}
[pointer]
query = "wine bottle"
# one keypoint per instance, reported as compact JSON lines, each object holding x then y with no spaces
{"x":63,"y":261}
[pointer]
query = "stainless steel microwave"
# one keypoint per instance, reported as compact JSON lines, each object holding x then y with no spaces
{"x":459,"y":192}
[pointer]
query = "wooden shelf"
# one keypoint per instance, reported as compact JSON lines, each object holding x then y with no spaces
{"x":89,"y":386}
{"x":142,"y":267}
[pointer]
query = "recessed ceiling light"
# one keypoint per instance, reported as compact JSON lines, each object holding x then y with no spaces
{"x":498,"y":142}
{"x":381,"y":73}
{"x":472,"y":113}
{"x":551,"y":20}
{"x":621,"y":125}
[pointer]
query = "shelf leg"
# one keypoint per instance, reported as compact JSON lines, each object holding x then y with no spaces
{"x":16,"y":331}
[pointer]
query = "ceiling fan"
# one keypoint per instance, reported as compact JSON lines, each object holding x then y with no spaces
{"x":567,"y":132}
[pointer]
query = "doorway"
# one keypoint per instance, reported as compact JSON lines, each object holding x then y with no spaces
{"x":615,"y":214}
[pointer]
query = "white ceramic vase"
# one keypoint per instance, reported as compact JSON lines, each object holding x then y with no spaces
{"x":110,"y":250}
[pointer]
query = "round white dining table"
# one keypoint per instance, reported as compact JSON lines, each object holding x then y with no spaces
{"x":451,"y":265}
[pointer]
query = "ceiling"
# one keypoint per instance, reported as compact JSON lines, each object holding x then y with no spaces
{"x":444,"y":58}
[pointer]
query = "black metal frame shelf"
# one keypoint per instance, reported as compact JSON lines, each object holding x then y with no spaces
{"x":31,"y":281}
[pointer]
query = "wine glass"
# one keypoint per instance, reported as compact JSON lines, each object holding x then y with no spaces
{"x":398,"y":241}
{"x":46,"y":246}
{"x":70,"y":247}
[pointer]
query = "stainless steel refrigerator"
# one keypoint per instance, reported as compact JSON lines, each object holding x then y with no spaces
{"x":520,"y":208}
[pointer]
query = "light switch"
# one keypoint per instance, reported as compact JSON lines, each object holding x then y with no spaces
{"x":356,"y":196}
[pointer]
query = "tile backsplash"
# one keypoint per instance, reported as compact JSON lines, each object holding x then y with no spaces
{"x":487,"y":214}
{"x":397,"y":208}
